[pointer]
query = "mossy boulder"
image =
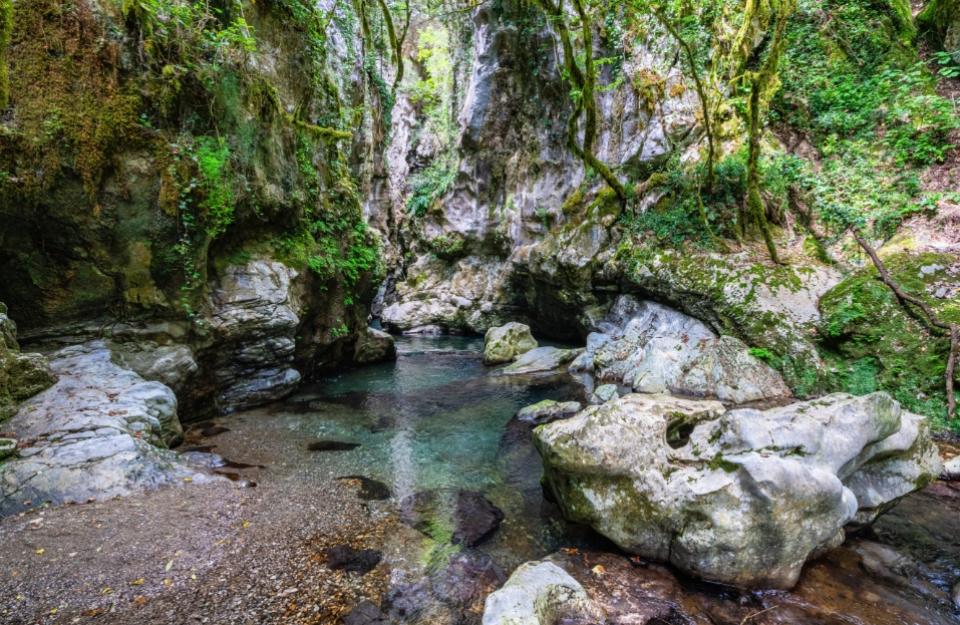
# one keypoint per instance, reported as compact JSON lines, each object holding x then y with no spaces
{"x":770,"y":307}
{"x":874,"y":343}
{"x":941,"y":20}
{"x":21,"y":375}
{"x":505,"y":343}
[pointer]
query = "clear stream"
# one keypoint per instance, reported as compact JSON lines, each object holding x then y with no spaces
{"x":438,"y":417}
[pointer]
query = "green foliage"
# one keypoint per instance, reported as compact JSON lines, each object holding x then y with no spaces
{"x":6,"y":27}
{"x":429,"y":185}
{"x":857,"y":90}
{"x":764,"y":354}
{"x":213,"y":157}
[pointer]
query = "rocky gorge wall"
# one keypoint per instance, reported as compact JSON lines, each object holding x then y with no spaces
{"x":493,"y":219}
{"x":177,"y":177}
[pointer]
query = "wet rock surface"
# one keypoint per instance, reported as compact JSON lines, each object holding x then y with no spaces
{"x":472,"y":517}
{"x":541,"y":360}
{"x":743,"y":497}
{"x":374,"y":346}
{"x":331,"y":446}
{"x":99,"y":432}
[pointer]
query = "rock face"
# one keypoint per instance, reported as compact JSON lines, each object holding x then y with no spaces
{"x":21,"y":375}
{"x":655,"y":349}
{"x":742,"y":497}
{"x":256,"y":319}
{"x":539,"y":593}
{"x":99,"y":432}
{"x":505,"y":343}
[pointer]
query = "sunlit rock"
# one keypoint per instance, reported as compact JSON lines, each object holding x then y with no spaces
{"x":742,"y":497}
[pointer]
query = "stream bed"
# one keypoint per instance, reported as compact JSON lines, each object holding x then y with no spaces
{"x":310,"y":528}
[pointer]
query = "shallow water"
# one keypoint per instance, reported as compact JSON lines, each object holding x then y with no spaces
{"x":439,"y":418}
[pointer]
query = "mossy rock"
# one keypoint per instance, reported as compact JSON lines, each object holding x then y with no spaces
{"x":875,"y":344}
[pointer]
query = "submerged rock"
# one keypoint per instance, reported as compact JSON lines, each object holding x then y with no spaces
{"x":346,"y":558}
{"x":460,"y":517}
{"x":548,"y":411}
{"x":505,"y":343}
{"x":374,"y":346}
{"x":331,"y":446}
{"x":452,"y":594}
{"x":99,"y":432}
{"x":655,"y":349}
{"x":540,"y":360}
{"x":541,"y":593}
{"x":370,"y":489}
{"x":742,"y":497}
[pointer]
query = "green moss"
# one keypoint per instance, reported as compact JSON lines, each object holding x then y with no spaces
{"x":874,"y":344}
{"x":6,"y":27}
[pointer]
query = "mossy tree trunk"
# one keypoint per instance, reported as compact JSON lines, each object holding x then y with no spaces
{"x":583,"y":82}
{"x":6,"y":28}
{"x":762,"y":83}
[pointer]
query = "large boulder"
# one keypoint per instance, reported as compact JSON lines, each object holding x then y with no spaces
{"x":742,"y":497}
{"x":374,"y":346}
{"x":505,"y":343}
{"x":99,"y":432}
{"x":655,"y":349}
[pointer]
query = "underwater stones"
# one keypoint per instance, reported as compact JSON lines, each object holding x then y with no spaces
{"x":374,"y":346}
{"x":331,"y":446}
{"x":452,"y":592}
{"x":655,"y":349}
{"x":505,"y":343}
{"x":369,"y":489}
{"x":548,"y":411}
{"x":742,"y":497}
{"x":99,"y":432}
{"x":461,"y":517}
{"x":346,"y":558}
{"x":541,"y":593}
{"x":540,"y":360}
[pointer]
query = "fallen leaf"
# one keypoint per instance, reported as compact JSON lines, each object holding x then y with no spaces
{"x":245,"y":524}
{"x":40,"y":551}
{"x":138,"y":582}
{"x":598,"y":570}
{"x":167,"y":581}
{"x":169,"y":565}
{"x":106,"y":590}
